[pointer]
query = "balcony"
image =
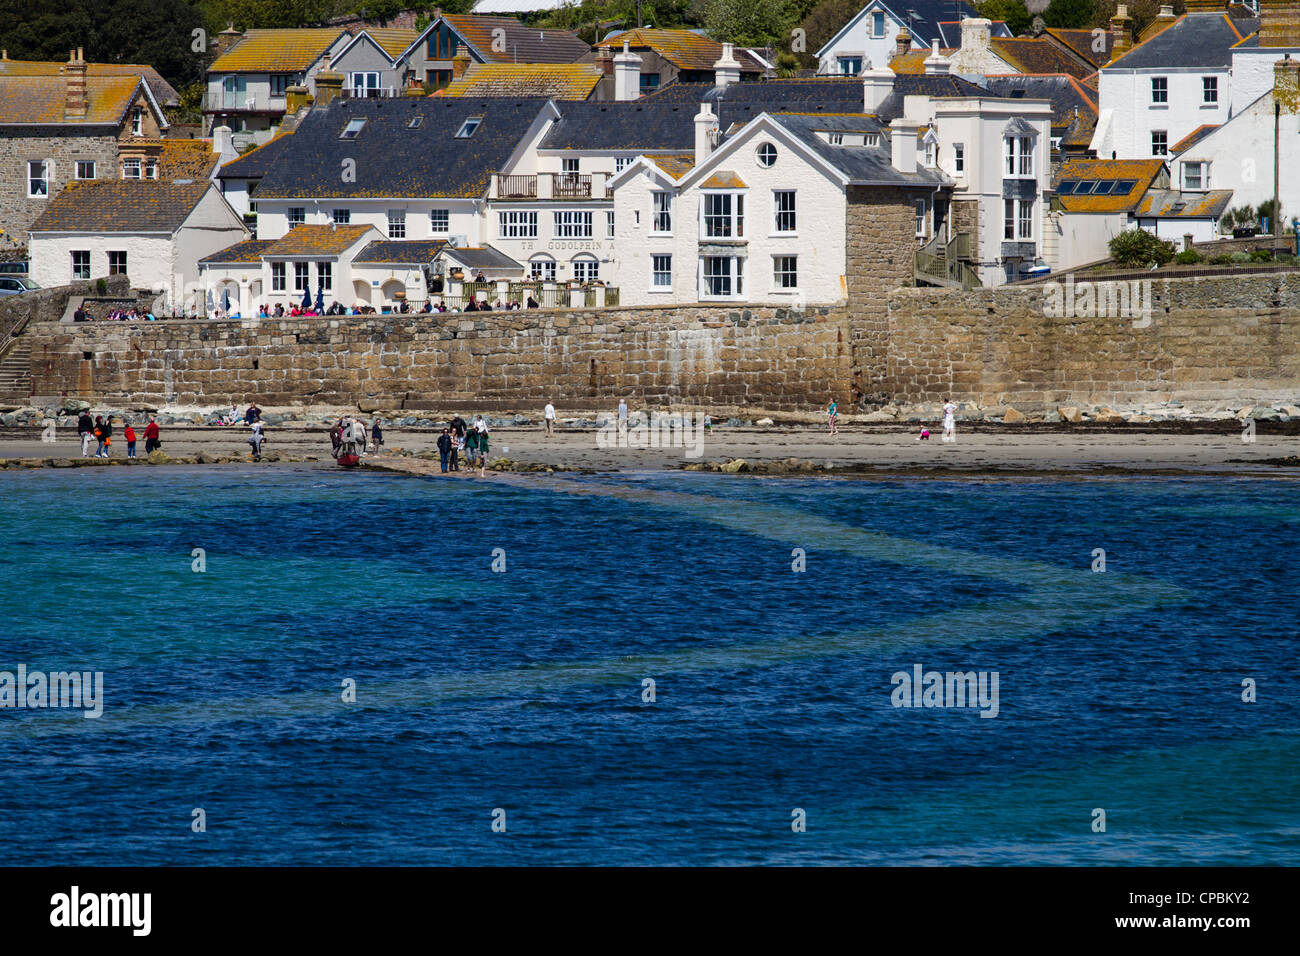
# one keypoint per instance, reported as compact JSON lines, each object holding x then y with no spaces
{"x":550,"y":186}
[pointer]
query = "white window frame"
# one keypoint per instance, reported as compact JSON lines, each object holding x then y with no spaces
{"x":1018,"y":156}
{"x":571,"y":224}
{"x":541,"y":268}
{"x":516,"y":224}
{"x":1160,"y":91}
{"x":302,"y":277}
{"x":734,"y":276}
{"x":661,"y":212}
{"x":440,"y":221}
{"x":570,"y":166}
{"x":1209,"y":91}
{"x":877,"y":22}
{"x":137,"y":121}
{"x":83,"y":271}
{"x":353,"y":129}
{"x":341,"y":216}
{"x":47,"y":173}
{"x":396,"y":219}
{"x":132,"y":167}
{"x":469,"y":127}
{"x":115,"y":269}
{"x":366,"y":87}
{"x":1018,"y":220}
{"x":785,"y":273}
{"x":959,"y":157}
{"x":85,"y":162}
{"x":278,"y":277}
{"x":711,"y":223}
{"x":921,"y":211}
{"x":295,"y":216}
{"x":585,"y":268}
{"x":1203,"y":176}
{"x":325,"y":276}
{"x":1164,"y":150}
{"x":778,"y":212}
{"x":609,"y":224}
{"x":657,"y":260}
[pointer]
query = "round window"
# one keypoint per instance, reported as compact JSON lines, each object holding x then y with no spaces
{"x":766,"y":154}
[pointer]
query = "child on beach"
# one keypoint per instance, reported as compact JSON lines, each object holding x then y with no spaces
{"x":833,"y":415}
{"x":130,"y":441}
{"x":924,"y":436}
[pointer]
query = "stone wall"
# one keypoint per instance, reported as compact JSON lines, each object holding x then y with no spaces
{"x":764,"y":357}
{"x":48,"y":305}
{"x":880,"y":241}
{"x":17,"y":210}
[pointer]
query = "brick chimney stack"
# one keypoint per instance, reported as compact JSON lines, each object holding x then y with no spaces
{"x":1121,"y":32}
{"x":75,"y":85}
{"x":329,"y":83}
{"x":1279,"y":23}
{"x":902,"y":42}
{"x":605,"y":60}
{"x":460,"y":62}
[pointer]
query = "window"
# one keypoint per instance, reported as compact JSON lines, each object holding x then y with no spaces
{"x":467,"y":128}
{"x":620,"y":163}
{"x":835,"y":139}
{"x":1210,"y":90}
{"x":1018,"y":152}
{"x":131,"y":168}
{"x":850,"y":65}
{"x":517,"y":225}
{"x":414,"y":122}
{"x":931,"y":153}
{"x":364,"y":84}
{"x":117,"y":263}
{"x":878,"y":24}
{"x":609,"y":224}
{"x":958,"y":157}
{"x":572,"y":224}
{"x":722,"y":277}
{"x":920,"y":206}
{"x":649,"y":83}
{"x":586,"y":269}
{"x":151,"y":169}
{"x":301,"y":275}
{"x":724,"y":215}
{"x":1196,"y":175}
{"x":785,"y":272}
{"x":662,"y":217}
{"x":325,"y":276}
{"x":568,"y":165}
{"x":341,"y":216}
{"x":783,"y":216}
{"x":277,"y":276}
{"x":85,"y":169}
{"x":280,"y":83}
{"x":542,"y":269}
{"x":766,"y":154}
{"x":1159,"y":91}
{"x":1159,"y":142}
{"x":439,"y":220}
{"x":137,"y":121}
{"x":297,"y":215}
{"x":397,"y":224}
{"x":353,"y":129}
{"x":661,"y":272}
{"x":81,"y":264}
{"x":1017,"y":219}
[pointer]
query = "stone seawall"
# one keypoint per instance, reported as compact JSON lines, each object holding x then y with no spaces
{"x":766,"y":357}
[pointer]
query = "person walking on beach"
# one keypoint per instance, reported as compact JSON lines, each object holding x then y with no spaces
{"x":130,"y":440}
{"x":256,"y":440}
{"x":622,"y":417}
{"x":444,"y":447}
{"x":104,"y":432}
{"x":548,"y":415}
{"x":336,"y":437}
{"x":151,"y":440}
{"x":377,"y":437}
{"x":949,"y":420}
{"x":833,"y":417}
{"x":86,"y":429}
{"x":483,"y":443}
{"x":471,"y":446}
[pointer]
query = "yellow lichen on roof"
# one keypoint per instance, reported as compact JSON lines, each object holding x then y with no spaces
{"x":1038,"y":55}
{"x":1142,"y":172}
{"x":723,"y":179}
{"x":913,"y":62}
{"x":42,"y":98}
{"x":561,"y":81}
{"x":186,"y":159}
{"x":392,"y":40}
{"x":1162,"y":202}
{"x":682,"y":48}
{"x":327,"y":240}
{"x":676,"y":165}
{"x":276,"y":51}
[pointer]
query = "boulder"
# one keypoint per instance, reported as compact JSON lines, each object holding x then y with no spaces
{"x":76,"y":405}
{"x":735,"y":465}
{"x":1291,"y":411}
{"x":370,"y":405}
{"x":1245,"y":412}
{"x":1012,"y":416}
{"x":1261,"y":413}
{"x":1108,"y":416}
{"x":765,"y":423}
{"x":206,"y":458}
{"x":1069,"y":413}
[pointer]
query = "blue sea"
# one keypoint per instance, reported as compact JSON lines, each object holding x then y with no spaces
{"x":317,"y":667}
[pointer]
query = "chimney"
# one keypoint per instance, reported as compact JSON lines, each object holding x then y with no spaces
{"x":329,"y":84}
{"x":902,"y":144}
{"x":413,"y":86}
{"x":605,"y":60}
{"x":226,"y":39}
{"x":627,"y":75}
{"x":1279,"y":23}
{"x":727,"y":70}
{"x":1121,"y":32}
{"x":460,"y":62}
{"x":705,"y":124}
{"x":975,"y":34}
{"x":877,"y":84}
{"x":295,"y":98}
{"x":902,"y":42}
{"x":1214,"y":6}
{"x":934,"y":63}
{"x":223,"y":143}
{"x":75,"y":86}
{"x":1286,"y":79}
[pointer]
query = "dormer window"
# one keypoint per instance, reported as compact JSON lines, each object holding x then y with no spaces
{"x":131,"y":168}
{"x":353,"y":129}
{"x":414,"y":122}
{"x":468,"y":127}
{"x":137,"y":121}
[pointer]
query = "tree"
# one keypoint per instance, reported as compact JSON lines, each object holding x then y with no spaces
{"x":1142,"y":12}
{"x":1013,"y":12}
{"x":824,"y":21}
{"x":1137,"y":247}
{"x":1069,"y":14}
{"x":748,"y":22}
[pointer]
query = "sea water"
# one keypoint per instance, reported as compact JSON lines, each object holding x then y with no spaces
{"x":309,"y":667}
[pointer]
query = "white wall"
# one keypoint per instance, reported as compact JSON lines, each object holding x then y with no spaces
{"x":464,"y":218}
{"x":148,"y":257}
{"x":857,"y":41}
{"x":1083,"y":237}
{"x":633,"y":218}
{"x":1127,"y":94}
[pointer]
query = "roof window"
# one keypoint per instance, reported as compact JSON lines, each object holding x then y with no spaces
{"x":467,"y":128}
{"x":352,"y":129}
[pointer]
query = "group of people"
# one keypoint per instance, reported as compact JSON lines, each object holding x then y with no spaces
{"x":473,"y":441}
{"x":346,"y":426}
{"x":949,"y":421}
{"x":81,"y":314}
{"x":101,"y":430}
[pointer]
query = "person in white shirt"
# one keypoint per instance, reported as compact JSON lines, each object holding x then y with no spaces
{"x":549,"y":415}
{"x":622,"y":416}
{"x":949,"y":421}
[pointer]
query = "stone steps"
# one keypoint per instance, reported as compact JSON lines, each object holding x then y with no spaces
{"x":16,"y":372}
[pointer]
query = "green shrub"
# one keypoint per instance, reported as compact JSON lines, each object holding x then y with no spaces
{"x":1240,"y":257}
{"x":1261,"y":255}
{"x":1137,"y":247}
{"x":101,"y":286}
{"x":1188,"y":257}
{"x":1222,"y":259}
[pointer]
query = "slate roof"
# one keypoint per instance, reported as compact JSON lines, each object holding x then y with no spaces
{"x":316,"y":240}
{"x":480,"y":257}
{"x":258,"y":161}
{"x":684,"y":49}
{"x":926,"y":85}
{"x":913,"y":61}
{"x":1172,"y":204}
{"x":639,"y":124}
{"x":1081,"y":43}
{"x":1038,"y":55}
{"x":561,"y":81}
{"x":522,"y":44}
{"x":1142,"y":173}
{"x":1194,"y":137}
{"x":400,"y":251}
{"x":394,"y":160}
{"x":948,"y":32}
{"x":276,"y":51}
{"x":184,"y":158}
{"x":860,"y":164}
{"x":42,"y":100}
{"x":162,"y":91}
{"x":1194,"y":40}
{"x":1066,"y":94}
{"x":121,"y":205}
{"x":247,"y":252}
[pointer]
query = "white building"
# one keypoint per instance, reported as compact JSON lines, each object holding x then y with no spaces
{"x":154,"y":232}
{"x":872,"y":35}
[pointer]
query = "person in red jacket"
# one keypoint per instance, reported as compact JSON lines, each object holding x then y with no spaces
{"x":151,"y":442}
{"x":130,"y":440}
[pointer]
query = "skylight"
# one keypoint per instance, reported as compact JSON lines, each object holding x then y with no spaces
{"x":467,"y":128}
{"x":414,"y":122}
{"x":352,"y":129}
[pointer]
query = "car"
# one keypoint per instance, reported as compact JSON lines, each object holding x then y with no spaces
{"x":1039,"y":268}
{"x":16,"y":285}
